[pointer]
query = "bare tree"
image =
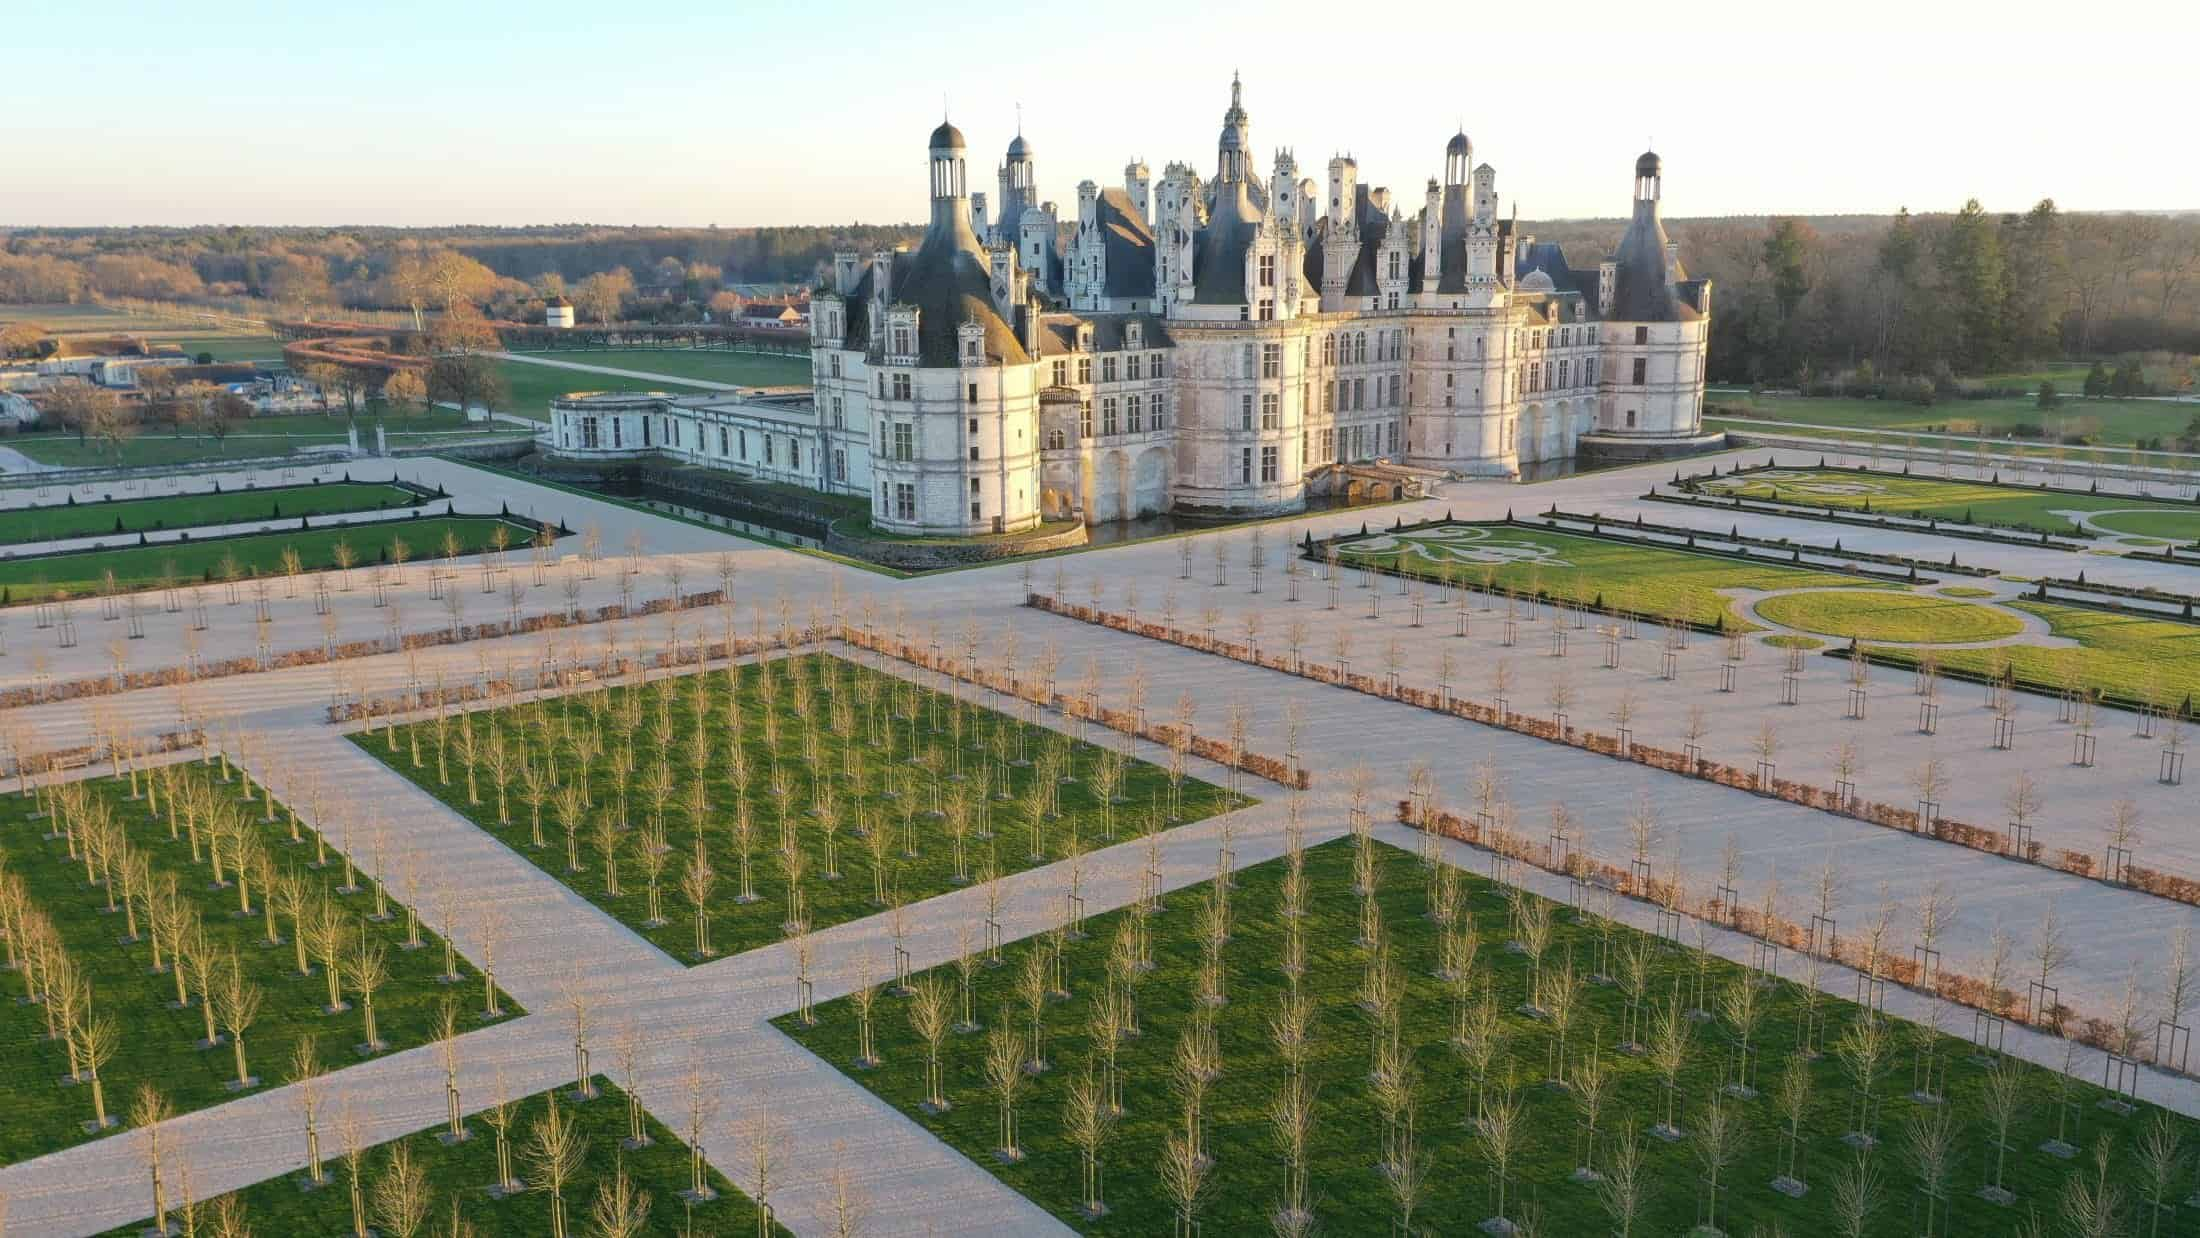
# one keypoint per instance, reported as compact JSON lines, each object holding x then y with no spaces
{"x":555,"y":1152}
{"x":621,"y":1208}
{"x":1623,"y":1187}
{"x":401,"y":1199}
{"x":1856,"y":1193}
{"x":150,"y":1114}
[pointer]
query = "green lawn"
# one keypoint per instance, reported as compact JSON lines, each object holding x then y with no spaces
{"x":1879,"y":615}
{"x":1467,"y":1051}
{"x":1977,"y":502}
{"x":532,"y":387}
{"x":174,"y":897}
{"x":2110,"y":422}
{"x":55,"y":522}
{"x":277,"y":435}
{"x":868,"y":776}
{"x":228,"y":347}
{"x":1649,"y":580}
{"x":710,"y":364}
{"x":2136,"y":658}
{"x":142,"y":567}
{"x":461,"y":1174}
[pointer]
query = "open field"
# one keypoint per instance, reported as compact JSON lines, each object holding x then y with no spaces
{"x":1449,"y":1028}
{"x":2138,"y":659}
{"x":718,"y":365}
{"x":532,"y":387}
{"x":1645,"y":579}
{"x":98,"y":894}
{"x":848,"y":792}
{"x":2115,"y":423}
{"x":263,"y":348}
{"x":57,"y":522}
{"x":1881,"y":616}
{"x":260,"y":554}
{"x":1973,"y":502}
{"x":464,"y":1174}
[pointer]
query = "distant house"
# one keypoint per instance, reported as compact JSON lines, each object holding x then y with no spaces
{"x":783,"y":316}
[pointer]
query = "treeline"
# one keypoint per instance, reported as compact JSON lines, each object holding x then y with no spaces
{"x":325,"y":269}
{"x":1800,"y":300}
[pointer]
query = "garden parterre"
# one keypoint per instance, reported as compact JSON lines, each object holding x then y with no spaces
{"x":152,"y":917}
{"x":723,"y":810}
{"x":1372,"y":1042}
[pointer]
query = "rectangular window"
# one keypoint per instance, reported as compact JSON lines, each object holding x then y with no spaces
{"x":1247,"y":359}
{"x":1107,"y":369}
{"x":1245,"y":465}
{"x":1131,"y":367}
{"x":836,"y":365}
{"x":794,"y":453}
{"x":768,"y":449}
{"x":1154,"y":368}
{"x":1329,"y":398}
{"x":1642,"y":335}
{"x":840,"y":465}
{"x":905,"y":441}
{"x":1271,"y":360}
{"x":1245,"y":412}
{"x":1270,"y":419}
{"x":1061,"y":373}
{"x":1392,"y":435}
{"x":840,"y":414}
{"x":725,"y":446}
{"x":901,"y":386}
{"x":1359,"y":393}
{"x":1267,"y":270}
{"x":1084,"y":370}
{"x":1642,"y":370}
{"x":1160,"y":411}
{"x":1084,"y":419}
{"x":589,"y":432}
{"x":905,"y":501}
{"x":1395,"y":382}
{"x":1132,"y":409}
{"x":1268,"y":464}
{"x":1107,"y":416}
{"x":901,"y":340}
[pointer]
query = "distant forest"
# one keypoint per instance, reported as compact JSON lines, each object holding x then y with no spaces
{"x":1797,"y":300}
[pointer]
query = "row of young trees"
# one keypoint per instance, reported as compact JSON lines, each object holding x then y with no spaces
{"x":226,"y":896}
{"x":1539,"y":1028}
{"x":754,"y":792}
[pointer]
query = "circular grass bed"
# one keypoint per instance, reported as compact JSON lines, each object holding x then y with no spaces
{"x":1906,"y":617}
{"x":1789,"y":640}
{"x":1964,"y":591}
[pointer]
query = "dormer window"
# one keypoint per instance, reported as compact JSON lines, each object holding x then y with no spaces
{"x":1134,"y":336}
{"x":901,"y":341}
{"x":1267,"y":270}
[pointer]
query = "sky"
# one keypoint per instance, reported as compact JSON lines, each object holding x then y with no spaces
{"x":749,"y":112}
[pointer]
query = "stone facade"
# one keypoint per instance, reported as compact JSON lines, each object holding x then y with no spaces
{"x":1221,"y":344}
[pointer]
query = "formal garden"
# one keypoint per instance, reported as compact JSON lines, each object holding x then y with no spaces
{"x":720,"y":811}
{"x":2031,"y":508}
{"x":1355,"y":1039}
{"x":61,"y":521}
{"x":340,"y":547}
{"x":550,"y":1165}
{"x":175,"y":937}
{"x":1661,"y":581}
